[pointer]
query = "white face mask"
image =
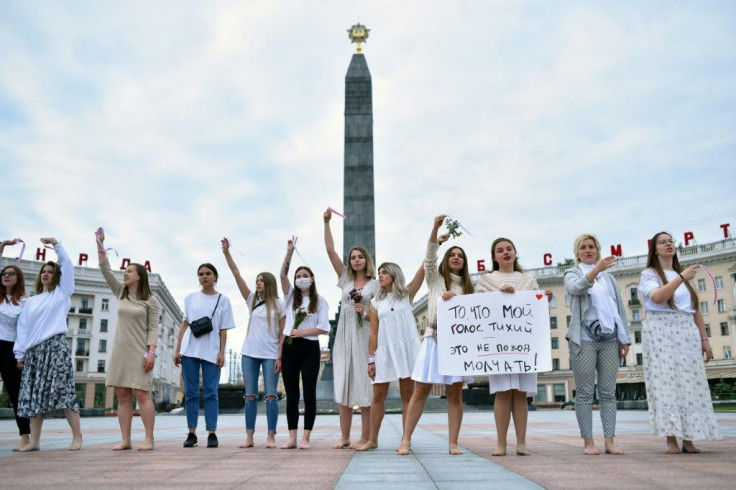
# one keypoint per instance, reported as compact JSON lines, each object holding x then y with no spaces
{"x":303,"y":283}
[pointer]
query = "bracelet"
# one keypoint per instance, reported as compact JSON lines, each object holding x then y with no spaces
{"x":371,"y":359}
{"x":683,"y":279}
{"x":704,"y":340}
{"x":150,"y":353}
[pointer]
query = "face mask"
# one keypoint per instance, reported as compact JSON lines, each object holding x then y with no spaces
{"x":303,"y":283}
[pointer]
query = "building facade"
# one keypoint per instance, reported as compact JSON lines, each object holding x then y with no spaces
{"x":558,"y":386}
{"x":92,"y":321}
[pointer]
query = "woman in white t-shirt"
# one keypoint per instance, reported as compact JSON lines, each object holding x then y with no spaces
{"x":673,"y":342}
{"x":206,"y":352}
{"x":260,"y":348}
{"x":306,"y":319}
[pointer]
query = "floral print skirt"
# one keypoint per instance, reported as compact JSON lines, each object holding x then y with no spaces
{"x":47,"y":383}
{"x":674,"y":372}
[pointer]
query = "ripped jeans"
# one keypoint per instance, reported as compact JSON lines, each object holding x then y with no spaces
{"x":251,"y":369}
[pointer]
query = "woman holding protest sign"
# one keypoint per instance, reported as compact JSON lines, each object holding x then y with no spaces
{"x":598,"y":339}
{"x":511,"y":390}
{"x":393,"y":343}
{"x":350,"y":350}
{"x":201,"y":346}
{"x":674,"y":341}
{"x":451,"y":278}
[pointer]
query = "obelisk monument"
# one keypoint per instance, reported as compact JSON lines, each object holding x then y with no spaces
{"x":359,"y":225}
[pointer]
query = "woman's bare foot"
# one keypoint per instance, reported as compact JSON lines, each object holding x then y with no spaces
{"x":305,"y":444}
{"x":360,"y":442}
{"x":147,"y":445}
{"x":28,"y":448}
{"x":672,"y":447}
{"x":521,"y":450}
{"x":344,"y":444}
{"x":271,"y":440}
{"x":289,"y":445}
{"x":404,"y":448}
{"x":369,"y":445}
{"x":589,"y":448}
{"x":76,"y":444}
{"x":25,"y":440}
{"x":500,"y":450}
{"x":689,"y":447}
{"x":122,"y":446}
{"x":248,"y":443}
{"x":612,"y":448}
{"x":454,"y":450}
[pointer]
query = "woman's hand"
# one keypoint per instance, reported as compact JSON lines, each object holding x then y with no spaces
{"x":448,"y":294}
{"x":21,"y":363}
{"x":507,"y":289}
{"x":438,"y":220}
{"x":549,"y":294}
{"x":623,"y":350}
{"x":177,"y":359}
{"x":277,"y":366}
{"x":690,"y":272}
{"x":443,"y":238}
{"x":605,"y":264}
{"x":291,"y":245}
{"x":327,"y":216}
{"x":372,"y":371}
{"x":707,"y":351}
{"x":220,"y":360}
{"x":50,"y":241}
{"x":148,"y":362}
{"x":359,"y":308}
{"x":225,"y":246}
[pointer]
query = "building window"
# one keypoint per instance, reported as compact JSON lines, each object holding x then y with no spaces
{"x":719,"y":282}
{"x":101,"y":366}
{"x":103,"y":345}
{"x":636,"y":315}
{"x":634,"y":294}
{"x":721,"y":306}
{"x":82,"y":324}
{"x":553,"y":322}
{"x":704,"y":307}
{"x":541,"y":393}
{"x":80,"y":366}
{"x":103,"y":325}
{"x":727,"y":352}
{"x":724,"y":328}
{"x":567,"y":300}
{"x":555,"y":343}
{"x":568,"y":321}
{"x":553,"y":302}
{"x":99,"y":395}
{"x":85,"y":304}
{"x":105,"y":306}
{"x":701,"y":284}
{"x":637,"y":336}
{"x":639,"y":360}
{"x":559,"y":392}
{"x":707,"y":329}
{"x":555,"y":364}
{"x":82,"y":347}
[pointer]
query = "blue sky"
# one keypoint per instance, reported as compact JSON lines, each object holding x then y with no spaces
{"x":173,"y":124}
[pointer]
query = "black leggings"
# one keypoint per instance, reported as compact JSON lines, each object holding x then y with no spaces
{"x":301,"y":357}
{"x":11,"y":378}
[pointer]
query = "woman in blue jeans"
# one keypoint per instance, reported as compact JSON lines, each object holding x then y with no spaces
{"x":206,"y":352}
{"x":261,"y":347}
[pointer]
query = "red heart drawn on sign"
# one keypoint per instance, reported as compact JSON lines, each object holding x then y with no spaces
{"x":540,"y":296}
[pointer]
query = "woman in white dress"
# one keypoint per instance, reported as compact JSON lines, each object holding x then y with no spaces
{"x":511,"y":390}
{"x":674,"y":341}
{"x":350,"y":350}
{"x":450,"y":279}
{"x":393,"y":343}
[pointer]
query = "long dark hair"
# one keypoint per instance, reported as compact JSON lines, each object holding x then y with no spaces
{"x":144,"y":290}
{"x":496,"y":267}
{"x":313,"y":296}
{"x":444,"y":270}
{"x":19,"y":290}
{"x":54,"y":280}
{"x":653,"y":262}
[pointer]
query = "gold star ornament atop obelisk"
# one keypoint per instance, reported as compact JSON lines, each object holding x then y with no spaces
{"x":358,"y":34}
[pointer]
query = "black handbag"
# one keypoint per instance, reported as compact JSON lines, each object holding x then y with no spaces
{"x":203,"y":325}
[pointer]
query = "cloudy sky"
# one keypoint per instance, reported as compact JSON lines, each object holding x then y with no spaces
{"x":173,"y":124}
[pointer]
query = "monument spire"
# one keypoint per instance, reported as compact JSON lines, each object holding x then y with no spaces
{"x":358,"y":201}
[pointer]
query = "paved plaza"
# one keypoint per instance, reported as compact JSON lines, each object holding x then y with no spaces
{"x":557,"y":460}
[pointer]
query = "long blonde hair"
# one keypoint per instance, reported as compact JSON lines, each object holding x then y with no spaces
{"x":270,"y":298}
{"x":399,"y":283}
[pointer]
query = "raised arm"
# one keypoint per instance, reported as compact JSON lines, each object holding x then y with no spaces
{"x":66,"y":283}
{"x":416,"y":283}
{"x":330,"y":245}
{"x":242,"y":286}
{"x":285,"y":283}
{"x":4,"y":243}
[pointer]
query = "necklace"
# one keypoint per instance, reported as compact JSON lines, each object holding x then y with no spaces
{"x":391,"y":300}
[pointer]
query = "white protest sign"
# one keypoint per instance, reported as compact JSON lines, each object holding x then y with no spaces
{"x":494,"y":333}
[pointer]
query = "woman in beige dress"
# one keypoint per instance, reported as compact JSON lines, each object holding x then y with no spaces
{"x":134,"y":348}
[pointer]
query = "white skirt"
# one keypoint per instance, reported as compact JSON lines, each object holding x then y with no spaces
{"x":515,"y":381}
{"x":427,"y":365}
{"x":674,"y":372}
